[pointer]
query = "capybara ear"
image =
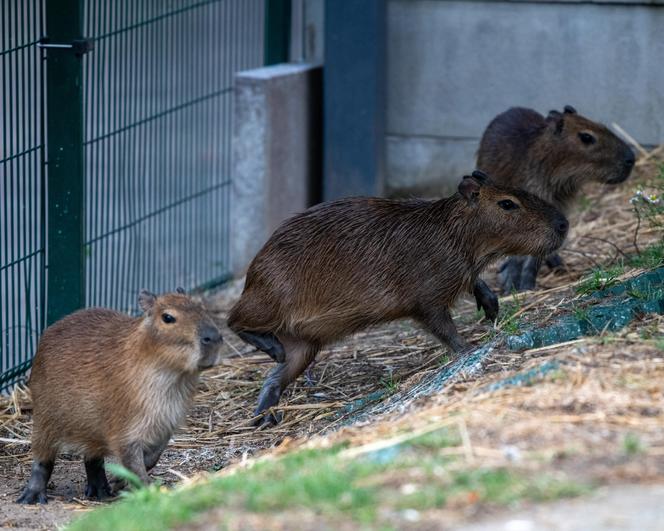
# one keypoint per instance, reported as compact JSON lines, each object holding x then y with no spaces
{"x":569,"y":109}
{"x":180,"y":290}
{"x":146,"y":300}
{"x":481,"y":177}
{"x":556,"y":119}
{"x":469,"y":188}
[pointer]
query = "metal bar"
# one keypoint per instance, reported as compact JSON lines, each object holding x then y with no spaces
{"x":354,"y":104}
{"x":66,"y":259}
{"x":277,"y":31}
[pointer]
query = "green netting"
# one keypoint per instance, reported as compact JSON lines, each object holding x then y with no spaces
{"x":621,"y":304}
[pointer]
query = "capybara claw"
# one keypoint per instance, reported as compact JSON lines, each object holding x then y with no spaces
{"x":32,"y":497}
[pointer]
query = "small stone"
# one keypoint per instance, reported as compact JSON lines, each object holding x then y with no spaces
{"x":410,"y":515}
{"x":408,"y":488}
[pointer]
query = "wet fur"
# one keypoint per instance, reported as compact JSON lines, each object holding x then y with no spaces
{"x":544,"y":156}
{"x":345,"y":265}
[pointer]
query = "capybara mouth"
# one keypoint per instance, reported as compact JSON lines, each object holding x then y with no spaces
{"x":208,"y":361}
{"x":621,"y":177}
{"x":617,"y":180}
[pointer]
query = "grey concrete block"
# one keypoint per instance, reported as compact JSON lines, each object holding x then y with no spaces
{"x":427,"y":166}
{"x":454,"y":65}
{"x":276,"y":153}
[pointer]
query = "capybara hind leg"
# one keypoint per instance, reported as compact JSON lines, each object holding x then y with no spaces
{"x":529,"y":270}
{"x":299,"y":354}
{"x":266,"y":342}
{"x":554,"y":262}
{"x":509,"y":274}
{"x":35,"y":491}
{"x":440,"y":323}
{"x":97,"y":487}
{"x":131,"y":457}
{"x":486,"y":300}
{"x":152,"y":455}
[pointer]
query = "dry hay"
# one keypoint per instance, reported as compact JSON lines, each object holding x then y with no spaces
{"x":219,"y":429}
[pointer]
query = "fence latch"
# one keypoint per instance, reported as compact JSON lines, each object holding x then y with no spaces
{"x":78,"y":46}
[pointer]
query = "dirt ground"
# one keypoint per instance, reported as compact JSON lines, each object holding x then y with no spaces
{"x":598,"y":418}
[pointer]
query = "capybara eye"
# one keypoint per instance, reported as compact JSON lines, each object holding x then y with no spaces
{"x":587,"y":138}
{"x":167,"y":318}
{"x":507,"y":204}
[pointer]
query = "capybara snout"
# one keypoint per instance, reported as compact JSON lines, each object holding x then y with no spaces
{"x":175,"y":319}
{"x":517,"y":222}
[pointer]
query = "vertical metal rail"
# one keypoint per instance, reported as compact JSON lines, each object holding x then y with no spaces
{"x":64,"y":129}
{"x":354,"y":98}
{"x":277,"y":31}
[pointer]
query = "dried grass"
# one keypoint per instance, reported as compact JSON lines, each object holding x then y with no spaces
{"x":593,"y":404}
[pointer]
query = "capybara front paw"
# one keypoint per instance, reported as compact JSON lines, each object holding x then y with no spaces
{"x":32,"y":497}
{"x":98,"y":492}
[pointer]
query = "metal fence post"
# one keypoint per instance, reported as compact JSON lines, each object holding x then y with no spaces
{"x":354,"y":98}
{"x":64,"y":134}
{"x":277,"y":31}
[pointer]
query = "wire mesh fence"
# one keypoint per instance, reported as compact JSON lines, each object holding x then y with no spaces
{"x":22,"y":186}
{"x":157,"y":102}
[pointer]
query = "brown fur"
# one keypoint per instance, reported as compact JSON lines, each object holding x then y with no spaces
{"x":342,"y":266}
{"x":546,"y":156}
{"x":103,"y":383}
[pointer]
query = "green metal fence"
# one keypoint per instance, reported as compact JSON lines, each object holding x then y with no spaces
{"x":22,"y":185}
{"x":136,"y":135}
{"x":157,"y":105}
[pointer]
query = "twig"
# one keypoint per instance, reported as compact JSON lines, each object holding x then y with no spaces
{"x":604,"y":240}
{"x":465,"y":439}
{"x":636,"y":230}
{"x":21,"y":442}
{"x":178,"y":475}
{"x":630,"y":139}
{"x":591,"y":260}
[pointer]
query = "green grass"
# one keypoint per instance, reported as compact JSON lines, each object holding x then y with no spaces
{"x":390,"y":384}
{"x":362,"y":490}
{"x":651,"y":257}
{"x":584,"y":203}
{"x":600,"y":278}
{"x":632,"y":444}
{"x":581,"y":314}
{"x":508,"y":322}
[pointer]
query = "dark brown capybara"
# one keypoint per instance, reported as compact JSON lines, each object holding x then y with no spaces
{"x":104,"y":383}
{"x":342,"y":266}
{"x":551,"y":157}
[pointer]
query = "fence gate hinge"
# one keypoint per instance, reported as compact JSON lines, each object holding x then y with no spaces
{"x":78,"y":46}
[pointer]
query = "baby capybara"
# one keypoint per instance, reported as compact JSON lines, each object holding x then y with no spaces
{"x":342,"y":266}
{"x":553,"y":158}
{"x":104,"y":383}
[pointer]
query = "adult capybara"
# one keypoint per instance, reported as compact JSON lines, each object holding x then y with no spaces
{"x":551,"y":157}
{"x":104,"y":383}
{"x":342,"y":266}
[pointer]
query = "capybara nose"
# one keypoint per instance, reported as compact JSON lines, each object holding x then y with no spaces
{"x":210,"y":335}
{"x":630,"y":159}
{"x":562,"y":226}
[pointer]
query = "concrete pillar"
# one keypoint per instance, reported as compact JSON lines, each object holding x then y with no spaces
{"x":276,"y":152}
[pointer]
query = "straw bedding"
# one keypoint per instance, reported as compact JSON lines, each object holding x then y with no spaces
{"x":610,"y":388}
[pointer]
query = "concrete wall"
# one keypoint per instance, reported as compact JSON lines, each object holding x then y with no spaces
{"x":276,"y":152}
{"x":453,"y":65}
